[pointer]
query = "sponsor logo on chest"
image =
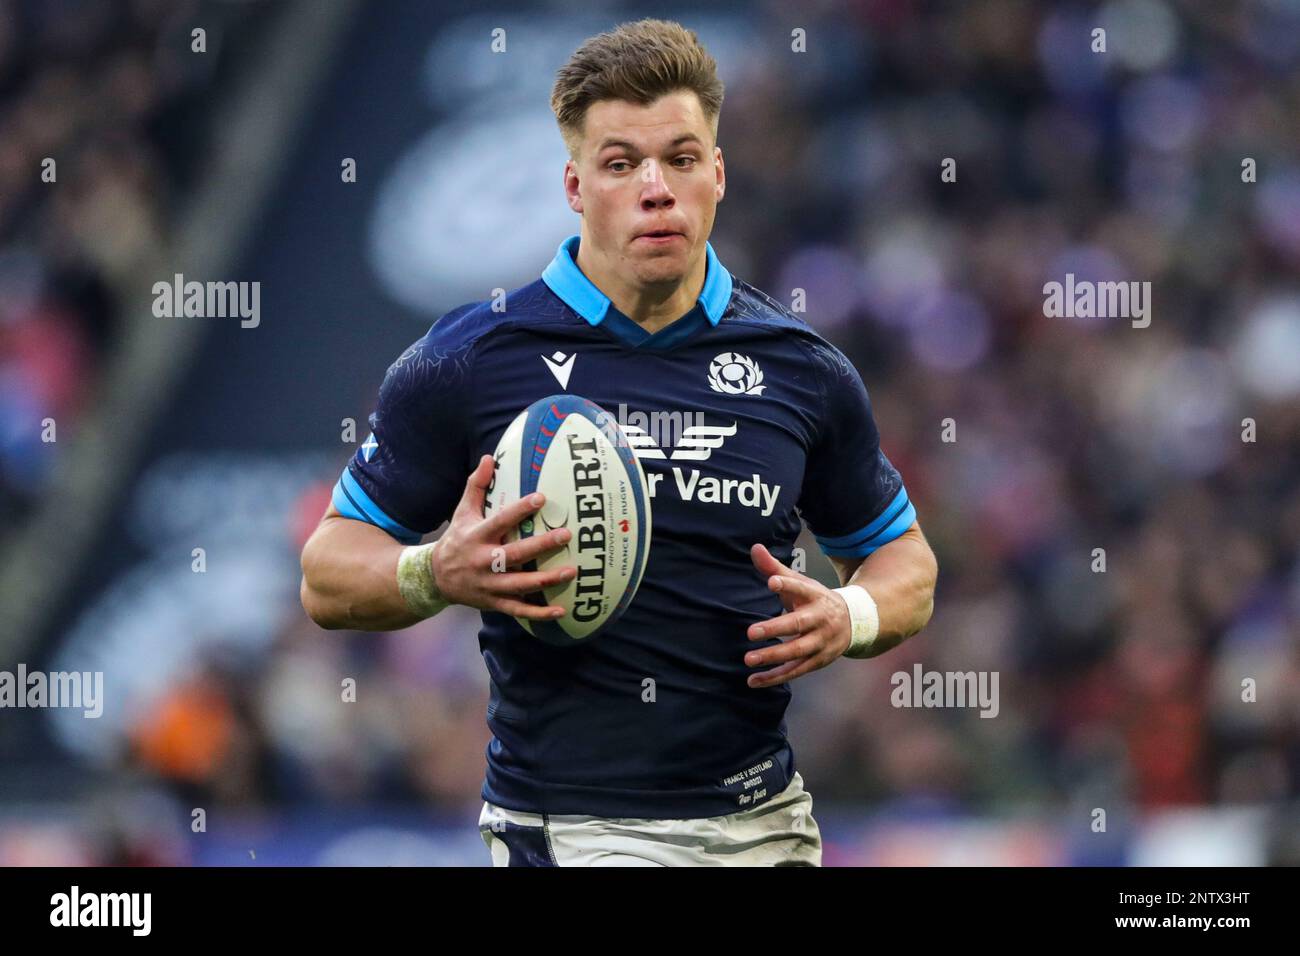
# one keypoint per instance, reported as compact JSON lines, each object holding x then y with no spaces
{"x":752,"y":492}
{"x":683,"y":436}
{"x":679,"y":436}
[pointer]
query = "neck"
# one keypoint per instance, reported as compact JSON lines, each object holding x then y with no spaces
{"x":650,"y":306}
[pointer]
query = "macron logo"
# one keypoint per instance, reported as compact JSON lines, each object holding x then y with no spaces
{"x":561,"y":366}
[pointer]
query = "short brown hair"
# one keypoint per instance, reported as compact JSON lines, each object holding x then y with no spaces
{"x":639,"y":62}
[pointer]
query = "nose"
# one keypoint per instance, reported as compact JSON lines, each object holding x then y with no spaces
{"x":655,"y":193}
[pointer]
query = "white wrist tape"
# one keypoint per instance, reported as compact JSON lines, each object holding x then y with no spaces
{"x":864,"y":616}
{"x":415,"y":580}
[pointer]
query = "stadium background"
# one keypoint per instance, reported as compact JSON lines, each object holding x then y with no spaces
{"x":1118,"y":690}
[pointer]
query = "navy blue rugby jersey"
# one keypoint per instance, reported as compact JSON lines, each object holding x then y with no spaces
{"x":744,"y":420}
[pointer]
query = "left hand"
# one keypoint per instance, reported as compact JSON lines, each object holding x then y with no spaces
{"x":816,"y":617}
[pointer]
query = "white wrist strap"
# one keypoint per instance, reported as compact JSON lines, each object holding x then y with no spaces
{"x":864,"y":616}
{"x":415,"y":580}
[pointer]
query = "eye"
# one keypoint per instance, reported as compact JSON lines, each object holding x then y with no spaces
{"x":690,"y":161}
{"x":618,"y":162}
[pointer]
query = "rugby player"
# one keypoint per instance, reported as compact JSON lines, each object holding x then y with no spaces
{"x":663,"y":742}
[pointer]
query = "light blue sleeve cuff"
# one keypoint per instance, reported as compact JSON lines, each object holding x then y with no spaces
{"x":893,"y":521}
{"x":351,"y":501}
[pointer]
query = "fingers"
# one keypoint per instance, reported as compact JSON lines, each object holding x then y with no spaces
{"x":767,"y":564}
{"x":794,"y":650}
{"x":796,"y":587}
{"x":481,"y":577}
{"x":816,"y":622}
{"x":801,"y":620}
{"x":793,"y":658}
{"x":518,"y":553}
{"x":795,"y":590}
{"x":526,"y":582}
{"x":496,"y":527}
{"x":786,"y":672}
{"x":533,"y":612}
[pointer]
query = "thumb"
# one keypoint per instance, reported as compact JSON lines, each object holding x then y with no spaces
{"x":766,"y":563}
{"x":476,"y":487}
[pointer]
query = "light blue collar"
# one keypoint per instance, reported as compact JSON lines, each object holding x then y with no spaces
{"x":580,"y":294}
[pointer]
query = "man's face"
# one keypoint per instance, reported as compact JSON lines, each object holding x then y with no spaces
{"x":647,"y":169}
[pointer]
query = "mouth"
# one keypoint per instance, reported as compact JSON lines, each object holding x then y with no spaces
{"x":659,"y":236}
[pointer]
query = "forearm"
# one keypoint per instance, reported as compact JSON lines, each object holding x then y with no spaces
{"x":349,"y":578}
{"x":901,"y":578}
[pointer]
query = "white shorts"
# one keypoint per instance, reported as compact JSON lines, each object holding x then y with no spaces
{"x":780,"y":832}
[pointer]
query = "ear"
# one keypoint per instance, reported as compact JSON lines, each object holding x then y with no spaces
{"x":572,"y":186}
{"x":720,"y":171}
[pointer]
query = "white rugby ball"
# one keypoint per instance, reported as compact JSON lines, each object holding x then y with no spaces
{"x":573,"y":452}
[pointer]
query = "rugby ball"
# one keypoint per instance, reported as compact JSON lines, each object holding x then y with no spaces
{"x":574,"y":452}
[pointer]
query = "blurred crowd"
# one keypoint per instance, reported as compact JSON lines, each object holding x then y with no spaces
{"x":1115,"y":509}
{"x":248,"y":731}
{"x":102,"y":104}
